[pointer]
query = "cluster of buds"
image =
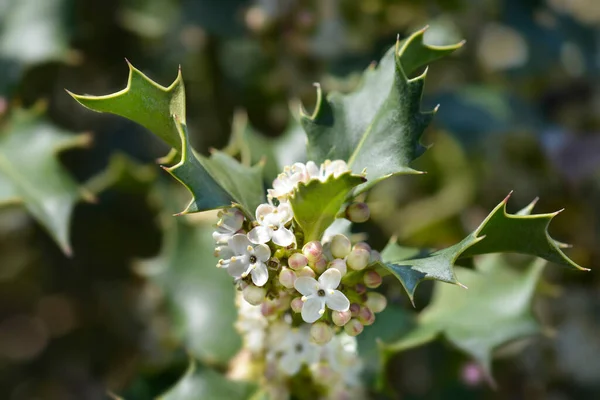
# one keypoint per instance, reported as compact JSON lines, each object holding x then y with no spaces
{"x":315,"y":293}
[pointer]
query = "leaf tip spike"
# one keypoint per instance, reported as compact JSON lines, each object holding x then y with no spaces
{"x":462,"y":285}
{"x":555,"y":213}
{"x":507,"y":197}
{"x":436,"y":108}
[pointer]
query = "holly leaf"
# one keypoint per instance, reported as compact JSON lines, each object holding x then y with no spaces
{"x":145,"y":102}
{"x":201,"y":382}
{"x":217,"y":181}
{"x":200,"y":295}
{"x":377,"y":127}
{"x":31,"y":173}
{"x":317,"y":203}
{"x":495,"y":310}
{"x":500,"y":232}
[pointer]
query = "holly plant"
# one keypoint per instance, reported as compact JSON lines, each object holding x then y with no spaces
{"x":305,"y":290}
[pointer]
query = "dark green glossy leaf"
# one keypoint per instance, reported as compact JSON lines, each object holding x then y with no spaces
{"x":500,"y":232}
{"x":317,"y":203}
{"x":377,"y":127}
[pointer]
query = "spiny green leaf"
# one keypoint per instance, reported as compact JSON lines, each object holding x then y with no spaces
{"x":494,"y":310}
{"x":31,"y":173}
{"x":500,"y":232}
{"x":378,"y":127}
{"x":217,"y":181}
{"x":145,"y":102}
{"x":317,"y":203}
{"x":201,"y":382}
{"x":200,"y":295}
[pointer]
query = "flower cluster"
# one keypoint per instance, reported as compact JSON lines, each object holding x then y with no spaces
{"x":304,"y":299}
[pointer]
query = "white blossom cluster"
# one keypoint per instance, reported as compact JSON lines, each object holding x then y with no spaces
{"x":301,"y":303}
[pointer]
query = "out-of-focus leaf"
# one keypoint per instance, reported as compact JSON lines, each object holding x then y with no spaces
{"x":379,"y":126}
{"x":31,"y":172}
{"x":500,"y":232}
{"x":124,"y":173}
{"x":33,"y":31}
{"x":201,"y":382}
{"x":494,"y":310}
{"x":202,"y":296}
{"x":317,"y":203}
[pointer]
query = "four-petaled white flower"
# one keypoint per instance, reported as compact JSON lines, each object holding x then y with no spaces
{"x":328,"y":168}
{"x":229,"y":224}
{"x":318,"y":294}
{"x":271,"y":226}
{"x":292,"y":348}
{"x":247,"y":259}
{"x":286,"y":182}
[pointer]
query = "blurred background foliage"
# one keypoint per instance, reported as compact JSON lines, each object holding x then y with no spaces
{"x":139,"y":294}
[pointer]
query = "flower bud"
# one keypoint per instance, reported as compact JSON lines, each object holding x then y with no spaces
{"x":372,"y":279}
{"x":353,"y":327}
{"x":319,"y":265}
{"x":341,"y":318}
{"x":376,"y":302}
{"x":340,"y":265}
{"x":354,"y":309}
{"x":287,"y":277}
{"x":366,"y":316}
{"x":362,"y":245}
{"x":340,"y":246}
{"x":375,"y":256}
{"x":254,"y":295}
{"x":312,"y":250}
{"x":358,"y":259}
{"x":320,"y":333}
{"x":297,"y":304}
{"x":306,"y":271}
{"x":323,"y":373}
{"x":268,"y":307}
{"x":358,"y":212}
{"x":360,"y":288}
{"x":297,"y":261}
{"x":283,"y":302}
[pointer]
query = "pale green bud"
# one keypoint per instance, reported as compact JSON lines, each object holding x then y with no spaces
{"x":340,"y":246}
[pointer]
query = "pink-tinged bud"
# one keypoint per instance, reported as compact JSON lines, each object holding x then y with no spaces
{"x":319,"y":265}
{"x":312,"y":250}
{"x":354,"y":309}
{"x":358,"y":259}
{"x":340,"y":246}
{"x":283,"y":302}
{"x":362,"y":245}
{"x":376,"y":302}
{"x":358,"y":212}
{"x":287,"y":277}
{"x":322,"y":373}
{"x":360,"y":288}
{"x":366,"y":316}
{"x":297,"y":261}
{"x":321,"y":333}
{"x":340,"y":265}
{"x":372,"y":279}
{"x":268,"y":307}
{"x":375,"y":256}
{"x":353,"y":327}
{"x":297,"y":304}
{"x":254,"y":295}
{"x":306,"y":271}
{"x":341,"y":318}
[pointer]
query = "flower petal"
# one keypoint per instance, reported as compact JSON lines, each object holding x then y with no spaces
{"x":290,"y":363}
{"x":283,"y":237}
{"x":312,"y":170}
{"x":330,"y":279}
{"x":238,"y":267}
{"x":306,"y":285}
{"x":263,"y":210}
{"x":221,"y":237}
{"x":260,"y":234}
{"x":285,"y":212}
{"x":262,"y":252}
{"x":311,"y":309}
{"x":260,"y":274}
{"x":337,"y":301}
{"x":239,"y":243}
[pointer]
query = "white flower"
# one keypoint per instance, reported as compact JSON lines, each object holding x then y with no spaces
{"x":230,"y":222}
{"x":292,"y":347}
{"x":318,"y":294}
{"x":271,"y":226}
{"x":328,"y":168}
{"x":247,"y":259}
{"x":288,"y":180}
